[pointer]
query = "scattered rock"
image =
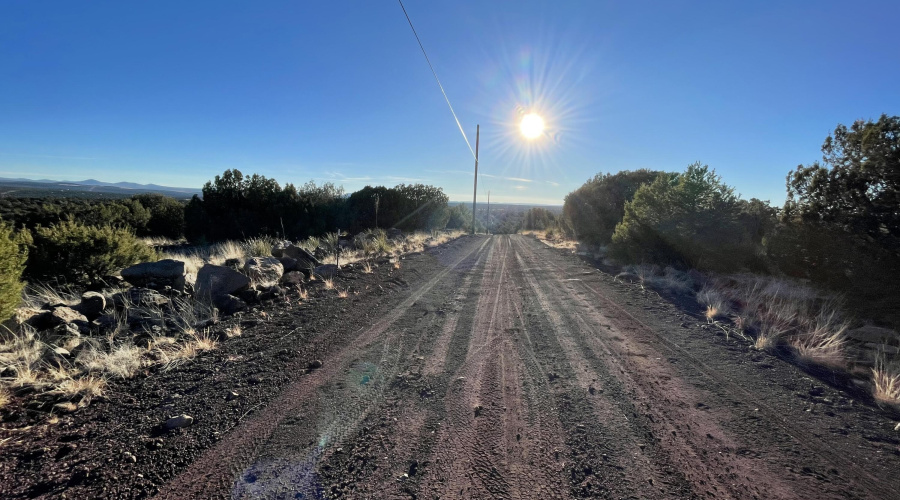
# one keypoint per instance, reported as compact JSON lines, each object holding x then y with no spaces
{"x":26,"y":316}
{"x":302,"y":258}
{"x":65,"y":315}
{"x":213,"y":281}
{"x":156,"y":275}
{"x":229,"y":304}
{"x":288,"y":263}
{"x":627,"y":277}
{"x":178,"y":422}
{"x":292,"y":278}
{"x":326,"y":271}
{"x":874,"y":334}
{"x":478,"y":410}
{"x":55,"y":356}
{"x":92,"y":305}
{"x":250,"y":295}
{"x":264,"y":269}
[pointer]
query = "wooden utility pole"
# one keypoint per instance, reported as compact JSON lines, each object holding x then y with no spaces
{"x":488,"y":225}
{"x":475,"y":194}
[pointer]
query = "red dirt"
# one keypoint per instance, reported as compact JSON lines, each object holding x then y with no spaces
{"x":488,"y":368}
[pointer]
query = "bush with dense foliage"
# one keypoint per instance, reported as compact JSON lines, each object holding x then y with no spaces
{"x":691,"y":219}
{"x":12,"y":262}
{"x":73,"y":252}
{"x":460,"y":217}
{"x":596,"y":207}
{"x":166,"y":215}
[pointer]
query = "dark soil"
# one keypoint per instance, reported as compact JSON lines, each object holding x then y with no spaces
{"x":486,"y":368}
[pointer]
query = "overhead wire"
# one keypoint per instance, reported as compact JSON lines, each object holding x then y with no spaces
{"x":438,"y":80}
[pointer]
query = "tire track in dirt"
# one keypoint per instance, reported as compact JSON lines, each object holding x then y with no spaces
{"x":634,"y":348}
{"x":213,"y":474}
{"x":436,"y":362}
{"x":683,"y":438}
{"x":635,"y":466}
{"x":486,"y":447}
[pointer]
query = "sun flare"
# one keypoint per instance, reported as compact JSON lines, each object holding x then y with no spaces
{"x":532,"y":126}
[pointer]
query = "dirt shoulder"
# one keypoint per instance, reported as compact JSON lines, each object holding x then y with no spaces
{"x":491,"y":367}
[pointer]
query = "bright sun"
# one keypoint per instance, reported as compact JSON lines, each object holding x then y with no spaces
{"x":532,"y":126}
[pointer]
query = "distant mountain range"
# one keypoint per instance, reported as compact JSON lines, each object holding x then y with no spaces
{"x":90,"y":187}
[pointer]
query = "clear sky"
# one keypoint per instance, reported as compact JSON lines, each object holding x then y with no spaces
{"x":174,"y":93}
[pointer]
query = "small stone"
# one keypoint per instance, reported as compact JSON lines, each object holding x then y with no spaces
{"x":231,"y":396}
{"x":315,"y":364}
{"x":178,"y":422}
{"x":129,"y":457}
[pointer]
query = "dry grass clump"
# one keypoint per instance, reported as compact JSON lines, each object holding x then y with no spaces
{"x":174,"y":354}
{"x":303,"y":293}
{"x":716,"y":304}
{"x":5,"y":396}
{"x":778,"y":311}
{"x":120,"y":361}
{"x":823,"y":342}
{"x":37,"y":295}
{"x":367,"y":267}
{"x":160,"y":241}
{"x":329,"y":283}
{"x":886,"y":378}
{"x":343,"y":294}
{"x":259,"y":247}
{"x":83,"y":388}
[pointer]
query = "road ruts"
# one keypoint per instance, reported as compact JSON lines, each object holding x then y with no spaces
{"x":510,"y":372}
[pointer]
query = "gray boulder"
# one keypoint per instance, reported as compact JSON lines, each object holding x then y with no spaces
{"x":92,"y":305}
{"x":288,"y":263}
{"x":305,"y":260}
{"x":229,"y":304}
{"x":292,"y":278}
{"x":64,"y":315}
{"x":178,"y":422}
{"x":213,"y":281}
{"x":264,"y":269}
{"x":156,"y":275}
{"x":326,"y":271}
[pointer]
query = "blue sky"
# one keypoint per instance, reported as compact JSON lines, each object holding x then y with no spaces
{"x":174,"y":93}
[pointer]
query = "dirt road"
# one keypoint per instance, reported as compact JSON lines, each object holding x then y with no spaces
{"x":517,"y":372}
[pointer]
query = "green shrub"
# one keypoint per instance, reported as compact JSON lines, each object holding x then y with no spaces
{"x":12,"y":263}
{"x":691,"y":219}
{"x":166,"y":215}
{"x":75,"y":252}
{"x":594,"y":209}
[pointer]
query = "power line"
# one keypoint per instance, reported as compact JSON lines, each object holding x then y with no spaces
{"x":438,"y":80}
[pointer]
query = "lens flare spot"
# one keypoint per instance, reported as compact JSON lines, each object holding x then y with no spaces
{"x":532,"y":126}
